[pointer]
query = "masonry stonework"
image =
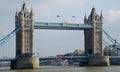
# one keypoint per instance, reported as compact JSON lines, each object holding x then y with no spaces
{"x":24,"y":40}
{"x":93,"y":37}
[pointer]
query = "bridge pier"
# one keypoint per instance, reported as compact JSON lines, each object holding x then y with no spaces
{"x":98,"y":61}
{"x":115,"y":61}
{"x":25,"y":63}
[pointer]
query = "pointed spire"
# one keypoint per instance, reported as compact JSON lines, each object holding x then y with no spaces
{"x":92,"y":15}
{"x":23,"y":1}
{"x":93,"y":12}
{"x":85,"y":18}
{"x":31,"y":13}
{"x":31,"y":10}
{"x":101,"y":15}
{"x":16,"y":13}
{"x":24,"y":8}
{"x":93,"y":7}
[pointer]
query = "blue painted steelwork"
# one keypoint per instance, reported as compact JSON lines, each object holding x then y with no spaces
{"x":49,"y":58}
{"x":7,"y":59}
{"x":115,"y":57}
{"x":114,"y":41}
{"x":61,"y":26}
{"x":6,"y":38}
{"x":75,"y":58}
{"x":115,"y":44}
{"x":64,"y":57}
{"x":108,"y":36}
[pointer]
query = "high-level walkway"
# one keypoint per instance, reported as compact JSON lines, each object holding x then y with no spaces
{"x":61,"y":26}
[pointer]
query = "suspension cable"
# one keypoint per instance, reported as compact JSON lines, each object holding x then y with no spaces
{"x":6,"y":38}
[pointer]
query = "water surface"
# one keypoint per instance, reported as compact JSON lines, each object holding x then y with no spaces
{"x":67,"y":69}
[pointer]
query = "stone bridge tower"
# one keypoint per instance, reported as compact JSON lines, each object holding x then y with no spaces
{"x":24,"y":41}
{"x":93,"y":37}
{"x":24,"y":38}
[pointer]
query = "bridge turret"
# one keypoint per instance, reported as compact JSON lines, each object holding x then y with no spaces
{"x":85,"y":19}
{"x":92,"y":15}
{"x":16,"y":17}
{"x":93,"y":12}
{"x":24,"y":8}
{"x":101,"y":17}
{"x":31,"y":13}
{"x":21,"y":14}
{"x":32,"y":18}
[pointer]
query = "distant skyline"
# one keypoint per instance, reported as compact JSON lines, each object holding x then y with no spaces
{"x":51,"y":42}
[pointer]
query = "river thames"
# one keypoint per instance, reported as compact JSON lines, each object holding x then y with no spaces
{"x":67,"y":69}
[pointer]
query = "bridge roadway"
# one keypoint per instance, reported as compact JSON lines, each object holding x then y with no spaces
{"x":73,"y":58}
{"x":62,"y":57}
{"x":49,"y":58}
{"x":61,"y":26}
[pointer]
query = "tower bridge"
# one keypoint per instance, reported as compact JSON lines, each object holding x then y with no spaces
{"x":24,"y":19}
{"x":24,"y":30}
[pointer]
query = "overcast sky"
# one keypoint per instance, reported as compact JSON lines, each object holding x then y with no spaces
{"x":51,"y":42}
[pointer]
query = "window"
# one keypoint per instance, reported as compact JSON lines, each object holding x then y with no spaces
{"x":27,"y":41}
